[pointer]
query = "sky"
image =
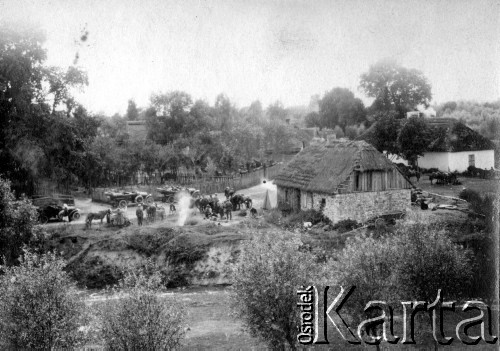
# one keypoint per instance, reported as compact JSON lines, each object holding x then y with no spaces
{"x":265,"y":50}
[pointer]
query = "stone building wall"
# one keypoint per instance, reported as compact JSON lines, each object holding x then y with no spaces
{"x":362,"y":206}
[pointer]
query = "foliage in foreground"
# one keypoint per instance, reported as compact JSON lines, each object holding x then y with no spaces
{"x":409,"y":265}
{"x":18,"y":220}
{"x":138,"y":319}
{"x":266,"y":278}
{"x":39,"y":305}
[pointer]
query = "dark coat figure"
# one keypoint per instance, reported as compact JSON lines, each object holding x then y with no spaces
{"x":172,"y":208}
{"x":140,"y":215}
{"x":248,"y":202}
{"x":208,"y":212}
{"x":228,"y":208}
{"x":228,"y":192}
{"x":253,"y":212}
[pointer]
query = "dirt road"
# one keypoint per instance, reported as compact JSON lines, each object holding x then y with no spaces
{"x":257,"y":193}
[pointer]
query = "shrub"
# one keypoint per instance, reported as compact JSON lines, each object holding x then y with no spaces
{"x":346,"y":225}
{"x":297,"y":219}
{"x":18,"y":219}
{"x":266,"y":278}
{"x":469,"y":195}
{"x":139,"y":319}
{"x":94,"y":273}
{"x":149,"y":244}
{"x":39,"y":305}
{"x":413,"y":264}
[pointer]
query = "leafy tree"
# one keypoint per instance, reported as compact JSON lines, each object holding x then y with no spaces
{"x":225,"y":112}
{"x":276,"y":112}
{"x":168,"y":117}
{"x":385,"y":133}
{"x":132,"y":111}
{"x":140,"y":319}
{"x":18,"y":220}
{"x":40,"y":307}
{"x":266,"y":279}
{"x":60,"y":84}
{"x":414,"y":138}
{"x":313,"y":119}
{"x":340,"y":107}
{"x":395,"y":88}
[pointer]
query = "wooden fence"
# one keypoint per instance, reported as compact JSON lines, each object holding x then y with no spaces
{"x":206,"y":185}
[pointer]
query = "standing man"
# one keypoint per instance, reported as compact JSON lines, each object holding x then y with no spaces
{"x":140,"y":214}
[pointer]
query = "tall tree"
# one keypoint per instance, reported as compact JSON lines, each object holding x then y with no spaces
{"x":395,"y":88}
{"x":414,"y":138}
{"x":132,"y":111}
{"x":340,"y":107}
{"x":276,"y":112}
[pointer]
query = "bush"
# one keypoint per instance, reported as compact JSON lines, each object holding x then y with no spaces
{"x":149,"y":244}
{"x":469,"y":195}
{"x":139,"y":319}
{"x":39,"y":306}
{"x":266,"y":278}
{"x":18,"y":219}
{"x":346,"y":225}
{"x":411,"y":265}
{"x":94,"y":273}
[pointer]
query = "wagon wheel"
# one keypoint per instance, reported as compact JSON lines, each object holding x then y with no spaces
{"x":170,"y":199}
{"x":164,"y":199}
{"x":76,"y":216}
{"x":122,"y":203}
{"x":149,"y":200}
{"x":196,"y":195}
{"x":139,"y":199}
{"x":43,"y":219}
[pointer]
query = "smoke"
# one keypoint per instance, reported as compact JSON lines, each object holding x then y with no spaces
{"x":184,"y":200}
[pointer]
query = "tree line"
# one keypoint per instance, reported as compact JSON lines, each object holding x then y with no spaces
{"x":47,"y":134}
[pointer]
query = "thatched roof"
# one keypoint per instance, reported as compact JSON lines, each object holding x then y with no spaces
{"x":324,"y":167}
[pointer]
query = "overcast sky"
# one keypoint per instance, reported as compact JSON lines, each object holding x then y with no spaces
{"x":266,"y":50}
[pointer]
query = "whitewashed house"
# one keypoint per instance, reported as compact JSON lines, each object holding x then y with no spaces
{"x":457,"y":148}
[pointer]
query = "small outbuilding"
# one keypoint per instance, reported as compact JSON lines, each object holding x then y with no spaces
{"x":344,"y":179}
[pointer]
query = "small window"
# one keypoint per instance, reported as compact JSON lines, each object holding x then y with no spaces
{"x":472,"y":160}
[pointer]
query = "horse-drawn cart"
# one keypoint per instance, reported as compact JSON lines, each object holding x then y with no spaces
{"x":170,"y":192}
{"x":122,"y":199}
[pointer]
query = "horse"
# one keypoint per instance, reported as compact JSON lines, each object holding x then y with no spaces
{"x":96,"y":215}
{"x":237,"y":200}
{"x":228,"y":192}
{"x":444,"y":178}
{"x":228,"y":207}
{"x":218,"y":209}
{"x":202,"y":204}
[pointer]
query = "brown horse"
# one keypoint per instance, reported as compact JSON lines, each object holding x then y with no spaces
{"x":96,"y":215}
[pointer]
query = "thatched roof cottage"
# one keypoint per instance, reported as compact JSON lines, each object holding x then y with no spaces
{"x":344,"y":179}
